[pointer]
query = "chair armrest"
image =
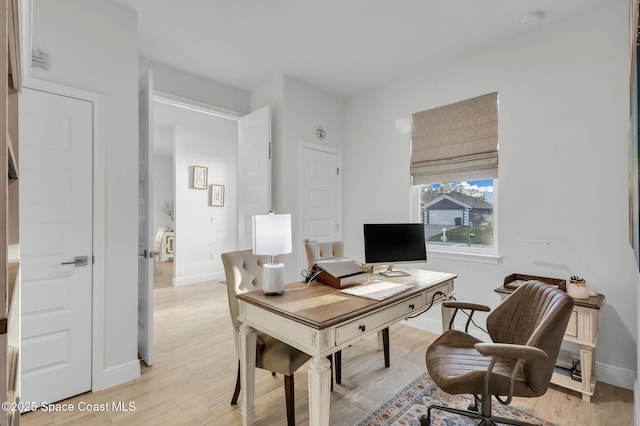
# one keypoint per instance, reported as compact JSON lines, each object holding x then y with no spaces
{"x":465,"y":305}
{"x":519,"y":352}
{"x":510,"y":351}
{"x":457,"y":305}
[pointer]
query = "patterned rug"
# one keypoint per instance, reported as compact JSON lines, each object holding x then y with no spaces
{"x":406,"y":407}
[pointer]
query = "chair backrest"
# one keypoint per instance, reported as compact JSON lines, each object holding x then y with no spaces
{"x":157,"y":242}
{"x":318,"y":251}
{"x":243,"y":271}
{"x":536,"y":314}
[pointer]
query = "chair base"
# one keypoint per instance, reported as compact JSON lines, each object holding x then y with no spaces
{"x":483,"y":420}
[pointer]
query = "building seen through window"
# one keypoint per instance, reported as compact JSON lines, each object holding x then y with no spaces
{"x":459,"y":214}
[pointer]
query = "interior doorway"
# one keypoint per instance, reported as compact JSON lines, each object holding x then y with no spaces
{"x":204,"y":223}
{"x":186,"y":139}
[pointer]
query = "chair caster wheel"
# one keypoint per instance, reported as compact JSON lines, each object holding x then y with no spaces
{"x":425,"y":420}
{"x":473,"y":407}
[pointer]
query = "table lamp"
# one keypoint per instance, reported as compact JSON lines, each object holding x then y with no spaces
{"x":271,"y":237}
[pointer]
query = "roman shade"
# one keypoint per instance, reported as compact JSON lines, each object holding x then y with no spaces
{"x":456,"y":142}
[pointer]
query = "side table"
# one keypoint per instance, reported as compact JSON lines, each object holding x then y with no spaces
{"x":582,"y":330}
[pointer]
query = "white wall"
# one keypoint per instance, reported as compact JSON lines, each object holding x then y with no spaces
{"x":163,"y":174}
{"x":203,"y":232}
{"x":298,"y":109}
{"x":88,"y":51}
{"x":162,"y":190}
{"x":563,"y":123}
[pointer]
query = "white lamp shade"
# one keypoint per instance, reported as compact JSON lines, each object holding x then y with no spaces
{"x":272,"y":234}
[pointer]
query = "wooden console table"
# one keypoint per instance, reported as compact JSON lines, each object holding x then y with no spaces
{"x":321,"y":320}
{"x":582,"y":330}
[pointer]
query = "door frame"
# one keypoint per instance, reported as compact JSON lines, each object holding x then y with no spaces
{"x":302,"y":257}
{"x":98,"y":279}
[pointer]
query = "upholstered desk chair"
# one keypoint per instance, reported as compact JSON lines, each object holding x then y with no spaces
{"x":526,"y":331}
{"x":243,"y":270}
{"x":318,"y":251}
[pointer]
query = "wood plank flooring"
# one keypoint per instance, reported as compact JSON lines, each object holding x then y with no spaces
{"x":192,"y":380}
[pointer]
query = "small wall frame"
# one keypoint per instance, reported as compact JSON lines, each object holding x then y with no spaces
{"x":216,"y":196}
{"x":199,"y":177}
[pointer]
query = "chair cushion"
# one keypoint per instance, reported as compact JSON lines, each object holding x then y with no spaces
{"x":458,"y":368}
{"x":276,"y":356}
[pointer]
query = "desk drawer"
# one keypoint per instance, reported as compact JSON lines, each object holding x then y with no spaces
{"x":446,"y":288}
{"x":364,"y":325}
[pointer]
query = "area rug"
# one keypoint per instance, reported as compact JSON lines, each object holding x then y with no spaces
{"x":408,"y":405}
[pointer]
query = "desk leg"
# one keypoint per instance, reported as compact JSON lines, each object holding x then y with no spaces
{"x":319,"y":391}
{"x":247,"y":372}
{"x":446,"y":317}
{"x":587,"y":365}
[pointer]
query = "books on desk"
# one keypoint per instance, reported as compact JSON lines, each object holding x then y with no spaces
{"x":378,"y":290}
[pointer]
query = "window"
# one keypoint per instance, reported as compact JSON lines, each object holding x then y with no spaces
{"x":454,"y":167}
{"x":459,"y":215}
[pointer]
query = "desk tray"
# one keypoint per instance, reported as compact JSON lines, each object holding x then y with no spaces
{"x":513,"y":281}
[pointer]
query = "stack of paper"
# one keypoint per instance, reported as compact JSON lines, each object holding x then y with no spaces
{"x":379,"y":290}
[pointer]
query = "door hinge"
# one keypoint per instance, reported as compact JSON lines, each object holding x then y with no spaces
{"x":269,"y":150}
{"x":338,"y":171}
{"x":337,"y":227}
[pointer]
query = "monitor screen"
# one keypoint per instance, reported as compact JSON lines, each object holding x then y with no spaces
{"x":394,"y":243}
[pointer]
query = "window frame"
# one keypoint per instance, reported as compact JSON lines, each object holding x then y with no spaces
{"x":468,"y":254}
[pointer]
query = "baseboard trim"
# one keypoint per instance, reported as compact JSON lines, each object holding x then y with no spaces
{"x":119,"y":374}
{"x":617,"y":376}
{"x":197,"y":279}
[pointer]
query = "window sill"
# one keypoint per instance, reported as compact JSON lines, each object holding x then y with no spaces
{"x":488,"y":258}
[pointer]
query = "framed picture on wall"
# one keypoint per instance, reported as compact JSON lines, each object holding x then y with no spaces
{"x":217,"y":195}
{"x":200,"y":177}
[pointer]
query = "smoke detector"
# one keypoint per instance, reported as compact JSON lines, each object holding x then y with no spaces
{"x":531,"y":18}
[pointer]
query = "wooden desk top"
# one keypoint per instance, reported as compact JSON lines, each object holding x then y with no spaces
{"x":321,"y":306}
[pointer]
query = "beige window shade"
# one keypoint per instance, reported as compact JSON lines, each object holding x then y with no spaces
{"x":456,"y":142}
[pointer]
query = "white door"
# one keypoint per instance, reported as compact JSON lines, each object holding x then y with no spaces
{"x":146,"y":235}
{"x":254,"y":170}
{"x":56,"y":146}
{"x":320,"y":183}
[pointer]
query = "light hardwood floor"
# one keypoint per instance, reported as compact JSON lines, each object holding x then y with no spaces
{"x":192,"y":380}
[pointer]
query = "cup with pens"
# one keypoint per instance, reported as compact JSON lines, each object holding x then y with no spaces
{"x":578,"y":288}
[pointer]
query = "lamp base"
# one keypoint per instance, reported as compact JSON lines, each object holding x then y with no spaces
{"x":273,"y":279}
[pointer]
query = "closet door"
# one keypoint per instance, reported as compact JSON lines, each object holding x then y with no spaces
{"x":56,"y":244}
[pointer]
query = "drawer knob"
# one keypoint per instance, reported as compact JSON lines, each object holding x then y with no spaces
{"x":412,"y":306}
{"x":362,"y":327}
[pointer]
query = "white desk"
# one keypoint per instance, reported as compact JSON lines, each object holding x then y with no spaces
{"x":321,"y":320}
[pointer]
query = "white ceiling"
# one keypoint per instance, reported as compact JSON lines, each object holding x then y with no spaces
{"x":344,"y":47}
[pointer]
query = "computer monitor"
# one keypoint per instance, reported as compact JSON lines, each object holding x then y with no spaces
{"x":390,"y":243}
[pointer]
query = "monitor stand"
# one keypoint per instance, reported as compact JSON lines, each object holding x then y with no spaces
{"x":391,"y":273}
